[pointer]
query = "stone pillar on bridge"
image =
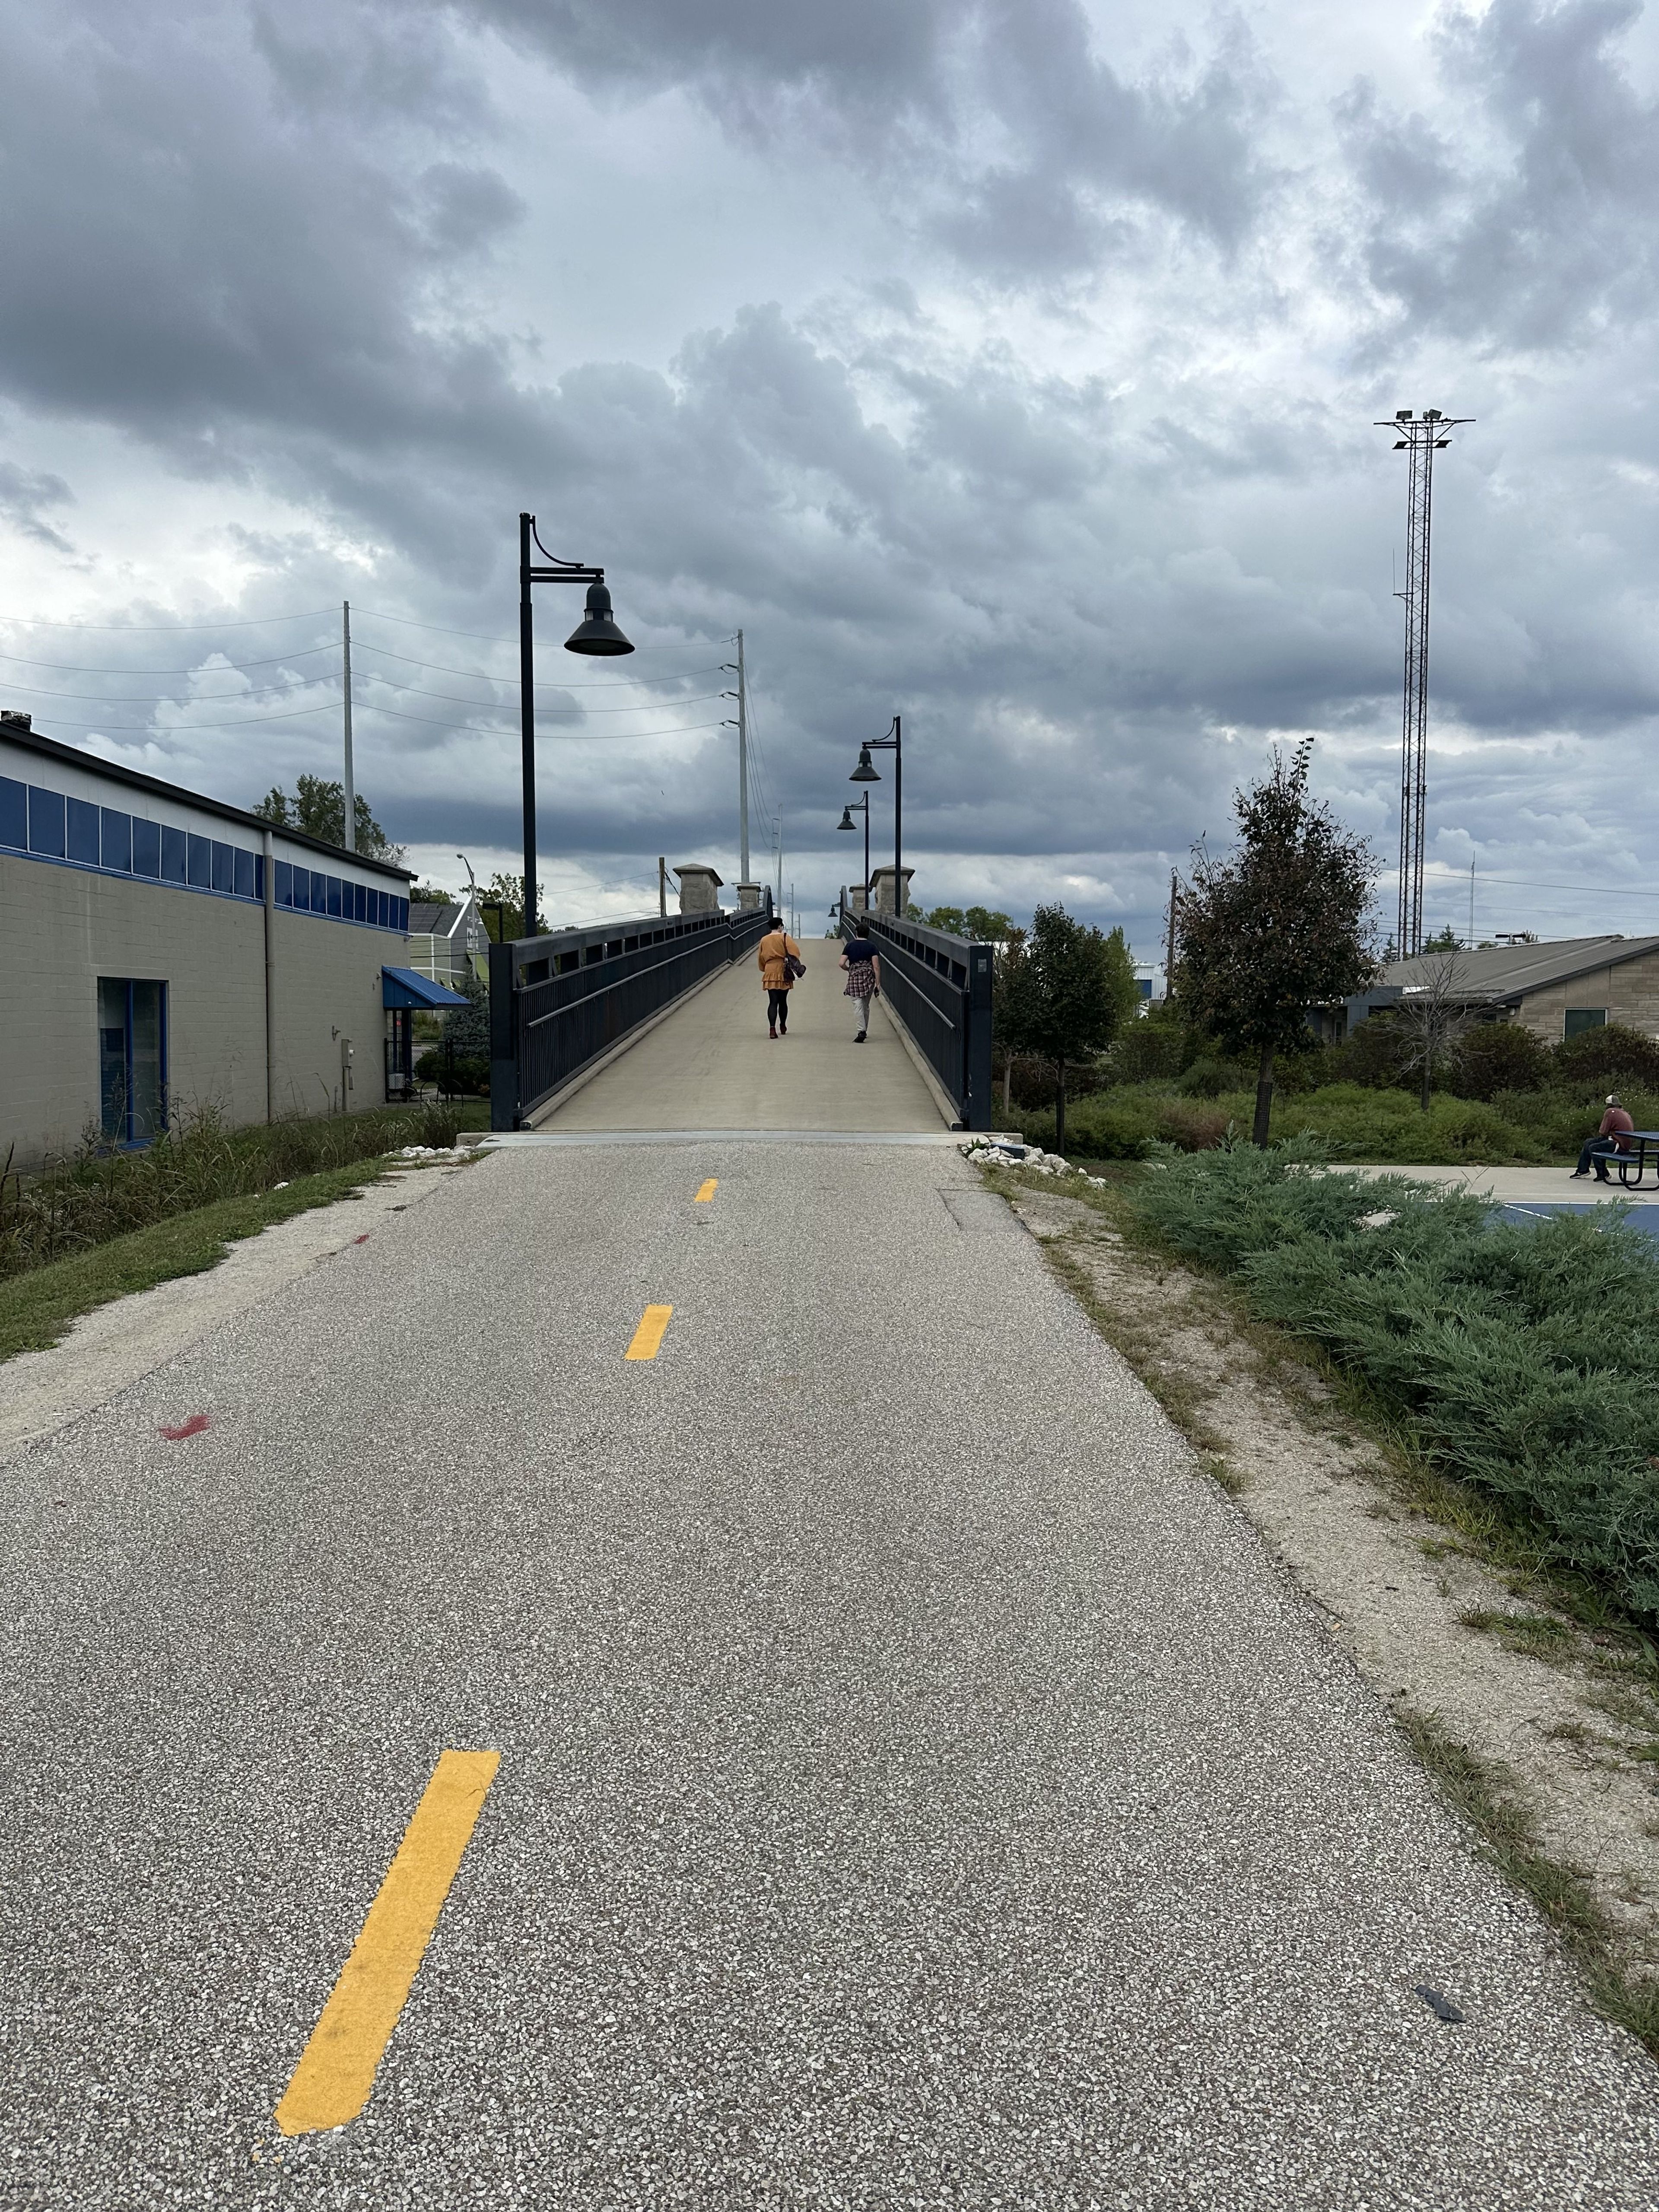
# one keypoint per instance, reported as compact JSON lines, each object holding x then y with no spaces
{"x":855,"y":902}
{"x":882,"y":880}
{"x":749,"y":898}
{"x":699,"y":889}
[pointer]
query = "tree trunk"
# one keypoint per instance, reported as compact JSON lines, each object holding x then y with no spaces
{"x":1008,"y":1086}
{"x":1059,"y":1107}
{"x":1428,"y":1072}
{"x":1264,"y":1096}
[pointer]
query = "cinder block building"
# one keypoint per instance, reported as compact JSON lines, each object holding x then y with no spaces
{"x":1556,"y":989}
{"x":166,"y":952}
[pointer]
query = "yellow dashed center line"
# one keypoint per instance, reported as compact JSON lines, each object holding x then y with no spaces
{"x":648,"y":1337}
{"x":707,"y":1191}
{"x":336,"y":2072}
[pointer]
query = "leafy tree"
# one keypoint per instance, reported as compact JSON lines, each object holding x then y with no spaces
{"x":946,"y":917}
{"x":1610,"y":1054}
{"x":430,"y":895}
{"x":1066,"y":992}
{"x":987,"y":925}
{"x":1276,"y":927}
{"x":1151,"y":1047}
{"x":509,"y":923}
{"x":1444,"y":940}
{"x":1494,"y":1056}
{"x":318,"y":810}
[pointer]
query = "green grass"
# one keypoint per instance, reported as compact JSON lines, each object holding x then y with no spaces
{"x":37,"y":1309}
{"x":1534,"y":1635}
{"x":74,"y":1204}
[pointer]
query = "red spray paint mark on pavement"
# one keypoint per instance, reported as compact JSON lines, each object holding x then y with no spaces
{"x":192,"y":1427}
{"x":363,"y":1239}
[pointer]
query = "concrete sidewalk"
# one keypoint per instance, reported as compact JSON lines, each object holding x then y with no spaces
{"x":1524,"y":1186}
{"x":712,"y":1065}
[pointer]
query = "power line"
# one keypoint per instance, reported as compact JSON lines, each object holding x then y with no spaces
{"x":146,"y":630}
{"x":479,"y":636}
{"x":1526,"y":883}
{"x":415,"y":691}
{"x":441,"y":668}
{"x":505,"y":729}
{"x":184,"y":729}
{"x":74,"y":668}
{"x":635,"y":707}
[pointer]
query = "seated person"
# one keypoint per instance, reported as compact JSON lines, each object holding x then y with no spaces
{"x":1616,"y":1126}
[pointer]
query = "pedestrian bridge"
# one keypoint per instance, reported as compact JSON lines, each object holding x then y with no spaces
{"x":660,"y":1024}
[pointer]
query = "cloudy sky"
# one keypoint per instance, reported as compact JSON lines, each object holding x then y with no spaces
{"x":1010,"y":363}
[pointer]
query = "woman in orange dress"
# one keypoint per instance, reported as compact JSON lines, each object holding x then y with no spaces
{"x":774,"y":952}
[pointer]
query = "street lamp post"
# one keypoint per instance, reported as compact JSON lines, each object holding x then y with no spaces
{"x":596,"y":633}
{"x":848,"y":822}
{"x":866,"y":773}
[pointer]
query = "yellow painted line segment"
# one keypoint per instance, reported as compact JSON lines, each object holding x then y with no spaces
{"x":707,"y":1190}
{"x":648,"y":1337}
{"x":337,"y":2069}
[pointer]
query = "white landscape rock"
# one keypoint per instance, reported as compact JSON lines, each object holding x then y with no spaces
{"x":992,"y":1151}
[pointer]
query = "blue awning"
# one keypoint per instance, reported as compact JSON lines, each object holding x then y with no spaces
{"x":406,"y":987}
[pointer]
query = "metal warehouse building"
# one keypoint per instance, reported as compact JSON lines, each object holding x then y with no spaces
{"x":166,"y":952}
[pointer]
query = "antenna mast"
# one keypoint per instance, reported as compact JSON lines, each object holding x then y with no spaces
{"x":1419,"y":437}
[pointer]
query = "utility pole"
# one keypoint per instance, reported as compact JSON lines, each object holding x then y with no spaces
{"x":777,"y":849}
{"x":1471,"y":902}
{"x":1421,"y":438}
{"x":350,"y":784}
{"x":662,"y":885}
{"x":743,"y":767}
{"x":1169,"y":952}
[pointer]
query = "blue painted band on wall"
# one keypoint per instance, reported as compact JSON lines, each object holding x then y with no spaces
{"x":44,"y":825}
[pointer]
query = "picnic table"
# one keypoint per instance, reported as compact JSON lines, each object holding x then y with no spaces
{"x":1633,"y":1165}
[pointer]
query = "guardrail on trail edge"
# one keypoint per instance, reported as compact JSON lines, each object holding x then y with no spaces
{"x":940,"y":987}
{"x":556,"y":1003}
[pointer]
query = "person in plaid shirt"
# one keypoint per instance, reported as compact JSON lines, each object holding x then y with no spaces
{"x":863,"y":965}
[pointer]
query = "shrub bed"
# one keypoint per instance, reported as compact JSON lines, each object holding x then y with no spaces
{"x":75,"y":1203}
{"x":1525,"y":1360}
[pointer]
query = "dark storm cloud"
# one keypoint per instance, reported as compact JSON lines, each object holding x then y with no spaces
{"x":199,"y":233}
{"x":1525,"y":218}
{"x":244,"y":240}
{"x":24,"y":493}
{"x":997,"y":124}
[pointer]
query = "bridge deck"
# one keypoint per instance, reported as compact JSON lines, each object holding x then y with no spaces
{"x":712,"y":1065}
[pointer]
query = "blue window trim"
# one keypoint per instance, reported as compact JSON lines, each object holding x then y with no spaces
{"x":135,"y":850}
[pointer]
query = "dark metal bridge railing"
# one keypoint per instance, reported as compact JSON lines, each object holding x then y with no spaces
{"x":940,"y":987}
{"x":557,"y":1002}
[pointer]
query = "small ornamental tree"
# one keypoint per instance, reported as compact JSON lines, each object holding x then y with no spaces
{"x":1277,"y":927}
{"x":1064,"y":994}
{"x":1431,"y":1019}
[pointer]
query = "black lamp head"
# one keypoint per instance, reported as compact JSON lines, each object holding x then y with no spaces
{"x":596,"y":633}
{"x":847,"y":821}
{"x":863,"y":773}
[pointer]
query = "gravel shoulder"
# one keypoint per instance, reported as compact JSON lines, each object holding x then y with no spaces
{"x":113,"y":1346}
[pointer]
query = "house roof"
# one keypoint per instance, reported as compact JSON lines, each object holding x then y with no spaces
{"x":1512,"y":971}
{"x":427,"y":921}
{"x":17,"y":733}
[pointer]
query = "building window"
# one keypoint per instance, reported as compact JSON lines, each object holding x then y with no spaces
{"x":1580,"y":1018}
{"x":132,"y":1058}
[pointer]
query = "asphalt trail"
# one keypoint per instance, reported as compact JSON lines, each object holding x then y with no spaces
{"x":916,"y":1789}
